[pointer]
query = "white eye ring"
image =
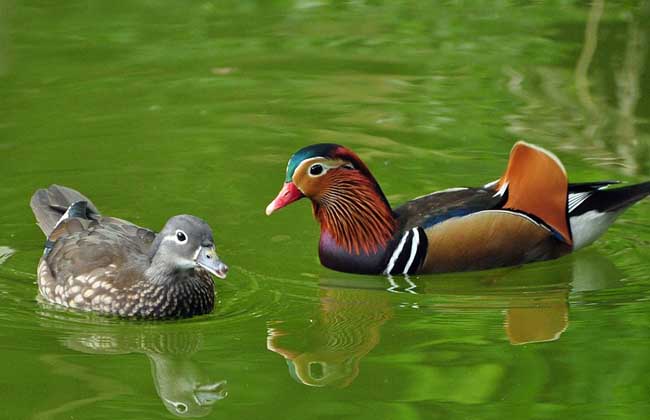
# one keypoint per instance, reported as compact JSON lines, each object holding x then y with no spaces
{"x":180,"y":237}
{"x":316,"y":170}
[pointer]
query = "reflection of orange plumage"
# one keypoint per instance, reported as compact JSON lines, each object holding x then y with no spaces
{"x":537,"y":320}
{"x":347,"y":328}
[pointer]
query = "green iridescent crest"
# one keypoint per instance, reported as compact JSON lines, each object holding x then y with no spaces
{"x":315,"y":150}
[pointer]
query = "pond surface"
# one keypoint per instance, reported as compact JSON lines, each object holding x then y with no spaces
{"x":155,"y":108}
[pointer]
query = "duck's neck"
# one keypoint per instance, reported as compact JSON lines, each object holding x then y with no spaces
{"x":176,"y":292}
{"x":356,"y":220}
{"x":163,"y":273}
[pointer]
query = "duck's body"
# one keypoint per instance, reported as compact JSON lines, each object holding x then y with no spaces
{"x":111,"y":266}
{"x":530,"y":214}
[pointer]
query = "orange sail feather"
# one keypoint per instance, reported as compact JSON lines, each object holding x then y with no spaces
{"x":537,"y":184}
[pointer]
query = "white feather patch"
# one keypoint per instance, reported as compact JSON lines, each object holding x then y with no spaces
{"x":576,"y":199}
{"x":396,"y":253}
{"x":589,"y":226}
{"x":414,"y":249}
{"x":502,"y":190}
{"x":492,"y":184}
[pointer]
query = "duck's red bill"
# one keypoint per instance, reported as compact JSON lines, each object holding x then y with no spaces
{"x":287,"y":195}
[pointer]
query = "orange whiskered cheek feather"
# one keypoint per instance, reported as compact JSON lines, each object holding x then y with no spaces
{"x":354,"y":213}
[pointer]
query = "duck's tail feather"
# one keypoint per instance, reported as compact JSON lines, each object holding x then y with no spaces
{"x":53,"y":205}
{"x":593,"y":210}
{"x":605,"y":200}
{"x":590,"y":186}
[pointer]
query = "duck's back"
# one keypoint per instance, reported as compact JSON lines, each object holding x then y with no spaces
{"x":91,"y":261}
{"x":439,"y":206}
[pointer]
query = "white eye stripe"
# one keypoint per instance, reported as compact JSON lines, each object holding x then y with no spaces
{"x":174,"y":237}
{"x":169,"y":238}
{"x":305,"y":165}
{"x":325,"y":167}
{"x":344,"y":165}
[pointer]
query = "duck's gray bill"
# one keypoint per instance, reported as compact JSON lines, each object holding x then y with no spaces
{"x":209,"y":260}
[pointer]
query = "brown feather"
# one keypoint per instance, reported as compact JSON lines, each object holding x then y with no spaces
{"x":488,"y":239}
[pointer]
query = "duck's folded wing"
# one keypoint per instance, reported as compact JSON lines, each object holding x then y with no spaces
{"x":534,"y":184}
{"x":137,"y":235}
{"x":439,"y":206}
{"x":106,"y":248}
{"x":489,"y":239}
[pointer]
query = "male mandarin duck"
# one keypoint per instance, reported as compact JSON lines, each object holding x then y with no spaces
{"x":529,"y":214}
{"x":111,"y":266}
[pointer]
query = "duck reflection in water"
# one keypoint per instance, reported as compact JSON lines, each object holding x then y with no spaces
{"x":345,"y":329}
{"x":543,"y":315}
{"x":183,"y":387}
{"x":347,"y":325}
{"x":535,"y":299}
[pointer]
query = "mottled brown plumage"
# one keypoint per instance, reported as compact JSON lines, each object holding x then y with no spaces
{"x":111,"y":266}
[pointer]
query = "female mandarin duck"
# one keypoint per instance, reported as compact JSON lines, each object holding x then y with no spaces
{"x":111,"y":266}
{"x":529,"y":214}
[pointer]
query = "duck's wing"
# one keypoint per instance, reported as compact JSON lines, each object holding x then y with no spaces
{"x":522,"y":217}
{"x":137,"y":235}
{"x":436,"y":213}
{"x":429,"y":210}
{"x":107,"y":247}
{"x":534,"y":185}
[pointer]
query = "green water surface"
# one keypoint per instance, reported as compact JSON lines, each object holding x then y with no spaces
{"x":154,"y":108}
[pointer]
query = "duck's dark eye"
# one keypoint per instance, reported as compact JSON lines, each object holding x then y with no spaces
{"x":316,"y":170}
{"x":181,"y":236}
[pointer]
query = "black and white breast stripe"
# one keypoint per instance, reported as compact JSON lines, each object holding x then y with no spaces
{"x":409,"y":253}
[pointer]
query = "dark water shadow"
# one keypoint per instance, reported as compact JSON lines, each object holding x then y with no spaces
{"x":325,"y":347}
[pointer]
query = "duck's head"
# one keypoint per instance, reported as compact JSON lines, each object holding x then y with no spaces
{"x":186,"y":242}
{"x":346,"y":198}
{"x":318,"y":172}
